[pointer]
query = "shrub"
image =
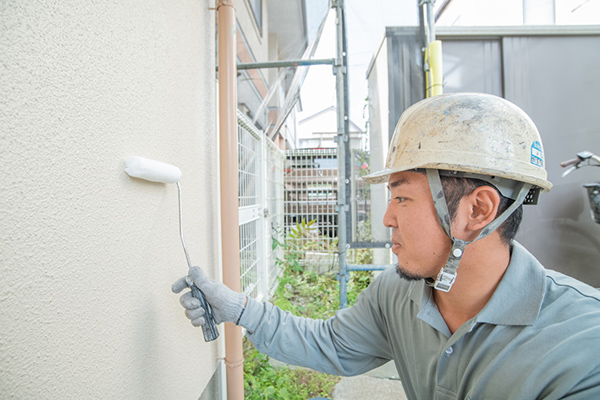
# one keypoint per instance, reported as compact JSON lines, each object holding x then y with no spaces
{"x":306,"y":294}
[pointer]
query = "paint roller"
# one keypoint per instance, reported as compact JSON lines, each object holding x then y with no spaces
{"x":156,"y":171}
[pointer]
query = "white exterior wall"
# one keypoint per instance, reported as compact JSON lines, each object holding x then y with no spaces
{"x":88,"y":255}
{"x":257,"y":38}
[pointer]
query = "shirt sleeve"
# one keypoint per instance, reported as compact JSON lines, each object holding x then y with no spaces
{"x":588,"y":388}
{"x":350,"y":343}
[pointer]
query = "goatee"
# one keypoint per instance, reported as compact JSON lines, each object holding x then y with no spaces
{"x":409,"y":276}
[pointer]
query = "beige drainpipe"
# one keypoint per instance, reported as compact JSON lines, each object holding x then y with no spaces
{"x":230,"y":234}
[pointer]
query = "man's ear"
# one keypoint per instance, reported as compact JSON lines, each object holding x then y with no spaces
{"x":482,"y":206}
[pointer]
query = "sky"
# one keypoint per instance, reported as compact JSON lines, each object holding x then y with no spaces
{"x":365,"y":23}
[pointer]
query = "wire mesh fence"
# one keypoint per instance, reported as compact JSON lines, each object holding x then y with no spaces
{"x":274,"y":215}
{"x":290,"y":200}
{"x":310,"y":200}
{"x":360,"y":199}
{"x":260,"y":209}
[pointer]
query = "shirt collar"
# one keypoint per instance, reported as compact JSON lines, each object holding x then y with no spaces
{"x":517,"y":299}
{"x":519,"y":296}
{"x":419,"y":293}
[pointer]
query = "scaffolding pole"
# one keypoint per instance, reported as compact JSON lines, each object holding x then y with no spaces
{"x":289,"y":63}
{"x":282,"y":64}
{"x":343,"y":146}
{"x":432,"y":49}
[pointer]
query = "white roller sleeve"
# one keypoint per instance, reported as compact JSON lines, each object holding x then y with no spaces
{"x":150,"y":170}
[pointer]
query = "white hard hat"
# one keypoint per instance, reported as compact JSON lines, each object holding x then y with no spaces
{"x":474,"y":133}
{"x":470,"y":135}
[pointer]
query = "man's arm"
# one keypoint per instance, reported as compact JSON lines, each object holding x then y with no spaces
{"x":588,"y":388}
{"x":350,"y":343}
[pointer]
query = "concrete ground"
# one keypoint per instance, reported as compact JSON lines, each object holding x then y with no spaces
{"x":380,"y":383}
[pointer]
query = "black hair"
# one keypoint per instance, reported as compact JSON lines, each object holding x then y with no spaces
{"x":457,"y":188}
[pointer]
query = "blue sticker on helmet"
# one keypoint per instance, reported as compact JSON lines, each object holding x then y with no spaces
{"x":537,"y":156}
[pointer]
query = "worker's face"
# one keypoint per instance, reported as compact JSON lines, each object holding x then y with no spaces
{"x":418,"y":240}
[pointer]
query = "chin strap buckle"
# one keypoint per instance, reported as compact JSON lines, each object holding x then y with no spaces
{"x":444,"y":281}
{"x":447,"y":275}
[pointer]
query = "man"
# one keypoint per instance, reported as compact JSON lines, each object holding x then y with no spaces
{"x":468,"y":313}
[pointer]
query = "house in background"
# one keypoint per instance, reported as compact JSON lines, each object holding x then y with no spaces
{"x":319,"y":131}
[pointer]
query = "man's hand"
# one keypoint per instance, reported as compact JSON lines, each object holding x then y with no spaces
{"x":227,"y":305}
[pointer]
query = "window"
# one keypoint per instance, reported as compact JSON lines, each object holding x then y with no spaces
{"x":256,"y":7}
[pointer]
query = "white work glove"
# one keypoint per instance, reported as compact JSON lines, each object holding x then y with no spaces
{"x":227,"y":305}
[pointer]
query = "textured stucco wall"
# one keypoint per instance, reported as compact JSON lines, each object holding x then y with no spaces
{"x":88,"y":254}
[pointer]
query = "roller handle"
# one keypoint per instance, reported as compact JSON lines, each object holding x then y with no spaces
{"x":210,"y":327}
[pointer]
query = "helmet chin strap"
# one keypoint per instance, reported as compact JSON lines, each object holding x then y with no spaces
{"x":447,"y":275}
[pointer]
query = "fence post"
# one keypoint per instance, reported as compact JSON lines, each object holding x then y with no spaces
{"x":263,"y":263}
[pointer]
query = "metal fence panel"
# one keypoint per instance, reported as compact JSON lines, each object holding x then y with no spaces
{"x":250,"y":258}
{"x":360,"y":199}
{"x":311,"y":196}
{"x":274,"y":212}
{"x":260,"y":209}
{"x":311,"y":209}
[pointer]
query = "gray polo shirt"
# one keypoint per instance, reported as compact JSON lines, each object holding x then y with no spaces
{"x":537,"y":338}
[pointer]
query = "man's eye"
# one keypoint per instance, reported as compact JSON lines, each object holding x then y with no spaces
{"x":400,"y":199}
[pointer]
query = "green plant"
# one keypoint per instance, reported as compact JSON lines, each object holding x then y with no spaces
{"x":299,"y":240}
{"x":264,"y":381}
{"x":306,"y":294}
{"x":309,"y":295}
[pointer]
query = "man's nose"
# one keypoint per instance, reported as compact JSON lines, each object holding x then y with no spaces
{"x":389,"y":221}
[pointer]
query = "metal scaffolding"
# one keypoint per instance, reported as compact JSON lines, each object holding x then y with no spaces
{"x":343,"y":222}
